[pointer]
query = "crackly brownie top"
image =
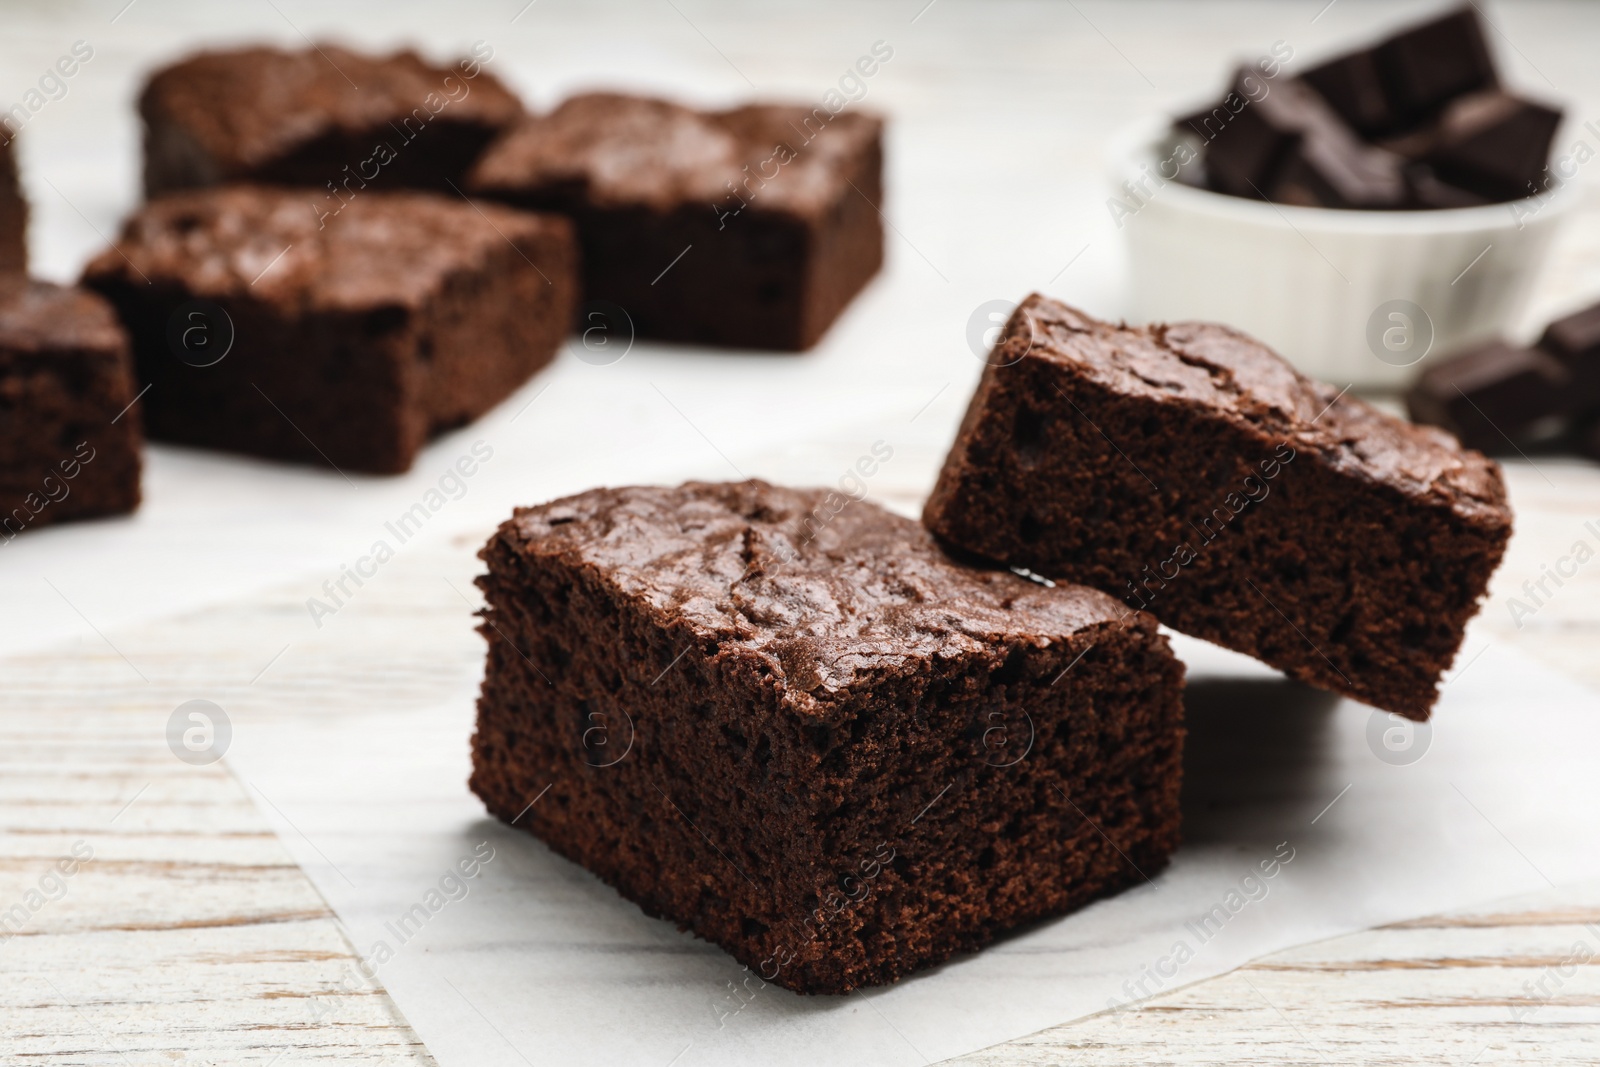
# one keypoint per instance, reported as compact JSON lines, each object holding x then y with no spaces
{"x":623,"y":150}
{"x":40,"y":317}
{"x":274,"y":245}
{"x":252,"y":105}
{"x":828,"y":589}
{"x":1238,"y":378}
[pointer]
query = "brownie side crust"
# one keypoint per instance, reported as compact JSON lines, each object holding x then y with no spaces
{"x":1190,"y":471}
{"x":325,"y":117}
{"x":13,"y":211}
{"x":353,"y":342}
{"x":69,"y":433}
{"x":822,"y":745}
{"x":753,"y":227}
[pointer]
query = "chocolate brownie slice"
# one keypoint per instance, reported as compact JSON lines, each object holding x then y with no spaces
{"x":325,"y":117}
{"x":1189,"y":470}
{"x":788,"y":722}
{"x":69,"y":431}
{"x":13,"y":211}
{"x":753,"y":227}
{"x":261,"y":330}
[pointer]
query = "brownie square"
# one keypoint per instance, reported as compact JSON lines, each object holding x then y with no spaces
{"x":13,"y":211}
{"x":752,"y":228}
{"x":349,"y":343}
{"x":324,"y":116}
{"x":785,"y":720}
{"x":69,"y":431}
{"x":1189,"y":470}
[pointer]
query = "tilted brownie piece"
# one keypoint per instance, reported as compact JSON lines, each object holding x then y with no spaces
{"x":13,"y":212}
{"x":324,"y":116}
{"x":1493,"y":396}
{"x":753,"y":227}
{"x":69,"y":433}
{"x":352,"y":341}
{"x":785,"y":720}
{"x":1190,"y":470}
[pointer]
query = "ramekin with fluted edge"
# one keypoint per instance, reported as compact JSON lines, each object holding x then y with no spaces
{"x":1350,"y":297}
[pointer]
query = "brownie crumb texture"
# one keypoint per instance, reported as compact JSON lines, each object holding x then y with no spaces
{"x":1191,"y":472}
{"x":352,"y":343}
{"x":324,"y":117}
{"x":69,"y":428}
{"x":753,"y":227}
{"x":814,"y":739}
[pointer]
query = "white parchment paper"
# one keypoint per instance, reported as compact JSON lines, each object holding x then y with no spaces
{"x":1306,"y":816}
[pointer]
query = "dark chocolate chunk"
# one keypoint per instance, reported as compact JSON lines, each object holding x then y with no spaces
{"x":1428,"y":65}
{"x":1492,"y":397}
{"x":810,"y":736}
{"x":325,"y":116}
{"x":1493,"y":144}
{"x":354,"y":341}
{"x":1287,"y":144}
{"x":1575,"y":341}
{"x":754,"y":227}
{"x":1425,"y":189}
{"x":1585,"y":438}
{"x":1191,"y":471}
{"x":1352,"y":86}
{"x":69,"y":429}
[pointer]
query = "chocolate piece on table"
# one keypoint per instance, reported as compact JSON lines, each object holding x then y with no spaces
{"x":1428,"y":65}
{"x":13,"y":212}
{"x":326,"y":117}
{"x":1493,"y":144}
{"x":805,"y":733}
{"x":753,"y":227}
{"x":1190,"y":470}
{"x":352,"y":343}
{"x":1585,"y":438}
{"x":1492,"y":397}
{"x":1575,"y":341}
{"x":1289,"y":145}
{"x":1353,"y":87}
{"x":69,"y":433}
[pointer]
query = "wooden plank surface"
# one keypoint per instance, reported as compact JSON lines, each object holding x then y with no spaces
{"x":191,"y":935}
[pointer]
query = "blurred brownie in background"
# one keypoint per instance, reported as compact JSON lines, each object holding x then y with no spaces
{"x":69,"y":430}
{"x":260,"y":331}
{"x":753,"y":227}
{"x":13,"y":212}
{"x":326,"y":117}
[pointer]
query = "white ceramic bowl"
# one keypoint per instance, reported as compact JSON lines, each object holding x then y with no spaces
{"x":1350,"y":297}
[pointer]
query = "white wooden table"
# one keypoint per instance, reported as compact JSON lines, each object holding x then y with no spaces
{"x":190,"y":936}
